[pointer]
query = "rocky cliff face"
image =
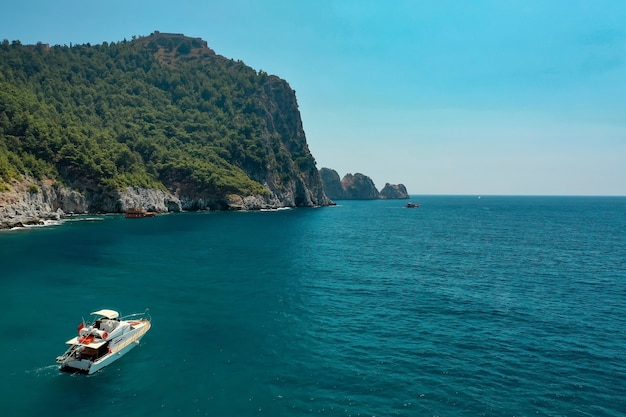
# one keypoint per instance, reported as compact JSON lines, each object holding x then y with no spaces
{"x":30,"y":202}
{"x":295,"y":181}
{"x":359,"y":187}
{"x":393,"y":191}
{"x":332,"y":183}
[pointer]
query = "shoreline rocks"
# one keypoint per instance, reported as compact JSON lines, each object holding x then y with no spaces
{"x":30,"y":202}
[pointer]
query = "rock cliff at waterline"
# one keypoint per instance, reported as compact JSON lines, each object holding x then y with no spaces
{"x":160,"y":122}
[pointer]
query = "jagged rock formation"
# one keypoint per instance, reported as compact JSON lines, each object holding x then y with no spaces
{"x":30,"y":203}
{"x":358,"y":187}
{"x":332,"y":184}
{"x":394,"y":191}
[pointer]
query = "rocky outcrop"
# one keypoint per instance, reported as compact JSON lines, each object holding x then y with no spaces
{"x":394,"y":191}
{"x":332,"y":183}
{"x":29,"y":203}
{"x":358,"y":187}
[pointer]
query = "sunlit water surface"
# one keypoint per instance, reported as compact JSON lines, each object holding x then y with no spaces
{"x":492,"y":306}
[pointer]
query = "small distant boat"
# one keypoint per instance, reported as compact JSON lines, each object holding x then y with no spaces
{"x":411,"y":205}
{"x":138,"y":212}
{"x":103,"y":342}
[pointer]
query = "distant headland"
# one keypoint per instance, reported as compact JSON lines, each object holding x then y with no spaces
{"x":160,"y":122}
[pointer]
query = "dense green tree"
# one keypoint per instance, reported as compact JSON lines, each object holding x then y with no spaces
{"x":154,"y":111}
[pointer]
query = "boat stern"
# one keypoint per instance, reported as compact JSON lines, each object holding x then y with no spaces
{"x":74,"y":366}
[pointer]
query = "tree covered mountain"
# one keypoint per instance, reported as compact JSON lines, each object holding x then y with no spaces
{"x":158,"y":112}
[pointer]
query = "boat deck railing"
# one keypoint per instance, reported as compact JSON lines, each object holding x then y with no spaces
{"x":144,"y":315}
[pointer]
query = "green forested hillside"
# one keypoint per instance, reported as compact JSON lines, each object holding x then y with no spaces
{"x":162,"y":111}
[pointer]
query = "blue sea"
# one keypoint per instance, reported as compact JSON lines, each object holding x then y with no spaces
{"x":466,"y":306}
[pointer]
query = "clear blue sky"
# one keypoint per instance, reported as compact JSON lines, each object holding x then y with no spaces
{"x":446,"y":97}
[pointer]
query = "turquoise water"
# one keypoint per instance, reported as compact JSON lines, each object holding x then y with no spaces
{"x":498,"y":306}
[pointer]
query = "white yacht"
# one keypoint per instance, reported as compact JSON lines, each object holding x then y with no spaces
{"x":103,"y":342}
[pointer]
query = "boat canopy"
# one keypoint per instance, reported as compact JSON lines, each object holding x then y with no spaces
{"x":109,"y":314}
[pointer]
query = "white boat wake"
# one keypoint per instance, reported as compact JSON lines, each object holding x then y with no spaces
{"x":44,"y":370}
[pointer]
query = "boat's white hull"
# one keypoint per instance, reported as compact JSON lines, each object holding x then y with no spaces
{"x":118,"y":347}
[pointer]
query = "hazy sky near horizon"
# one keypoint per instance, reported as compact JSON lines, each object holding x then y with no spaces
{"x":446,"y":97}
